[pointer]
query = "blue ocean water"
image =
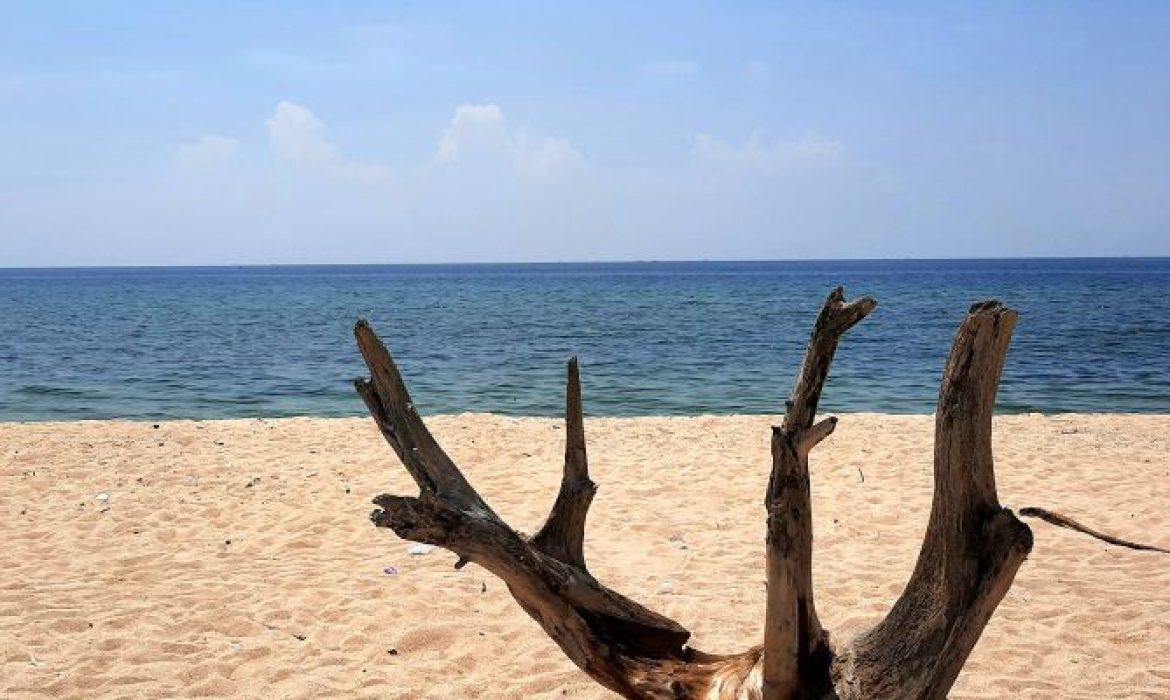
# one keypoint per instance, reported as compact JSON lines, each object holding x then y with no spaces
{"x":653,"y":338}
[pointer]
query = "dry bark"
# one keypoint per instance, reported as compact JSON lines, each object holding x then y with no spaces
{"x":968,"y":560}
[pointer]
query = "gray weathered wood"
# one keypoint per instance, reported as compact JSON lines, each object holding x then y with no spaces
{"x":796,"y":648}
{"x":563,"y":534}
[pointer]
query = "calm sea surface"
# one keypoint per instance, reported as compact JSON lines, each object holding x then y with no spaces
{"x":653,"y":338}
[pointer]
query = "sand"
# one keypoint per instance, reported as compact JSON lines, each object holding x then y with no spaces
{"x":235,"y":558}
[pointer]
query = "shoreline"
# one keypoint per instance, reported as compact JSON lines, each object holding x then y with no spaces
{"x":474,"y":415}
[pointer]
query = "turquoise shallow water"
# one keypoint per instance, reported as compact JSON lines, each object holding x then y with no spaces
{"x":653,"y":338}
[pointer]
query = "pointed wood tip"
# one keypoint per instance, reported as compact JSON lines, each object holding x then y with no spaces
{"x":574,"y":422}
{"x":362,"y":330}
{"x":367,"y":339}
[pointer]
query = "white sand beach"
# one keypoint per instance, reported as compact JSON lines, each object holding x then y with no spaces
{"x":235,"y":558}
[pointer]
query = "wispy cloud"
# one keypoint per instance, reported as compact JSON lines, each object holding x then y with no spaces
{"x":209,"y":150}
{"x":542,"y":157}
{"x":763,"y":154}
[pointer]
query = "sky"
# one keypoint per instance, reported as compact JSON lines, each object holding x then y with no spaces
{"x":403,"y":132}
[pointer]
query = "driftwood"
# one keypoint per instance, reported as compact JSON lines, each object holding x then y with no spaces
{"x":969,"y":557}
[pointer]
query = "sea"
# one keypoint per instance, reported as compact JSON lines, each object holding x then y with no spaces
{"x":653,"y":338}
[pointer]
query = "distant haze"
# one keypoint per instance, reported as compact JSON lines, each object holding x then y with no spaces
{"x":306,"y":132}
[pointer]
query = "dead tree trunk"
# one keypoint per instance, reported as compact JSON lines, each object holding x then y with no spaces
{"x":968,"y":560}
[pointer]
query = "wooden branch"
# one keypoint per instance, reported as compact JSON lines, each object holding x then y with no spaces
{"x":1064,"y":521}
{"x":563,"y":534}
{"x":835,"y":318}
{"x":972,"y":548}
{"x":620,"y":643}
{"x":796,"y":649}
{"x":393,"y":410}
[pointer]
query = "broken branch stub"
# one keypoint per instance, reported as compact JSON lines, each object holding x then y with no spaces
{"x":969,"y":556}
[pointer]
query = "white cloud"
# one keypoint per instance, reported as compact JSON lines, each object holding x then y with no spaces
{"x":209,"y":150}
{"x":294,"y":134}
{"x":759,"y":153}
{"x":473,"y":131}
{"x":542,"y":158}
{"x":671,"y":69}
{"x":477,"y":135}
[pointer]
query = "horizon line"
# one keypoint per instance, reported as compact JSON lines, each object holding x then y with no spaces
{"x":647,"y":261}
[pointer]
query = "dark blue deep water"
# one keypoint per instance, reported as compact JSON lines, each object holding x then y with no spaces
{"x":653,"y":338}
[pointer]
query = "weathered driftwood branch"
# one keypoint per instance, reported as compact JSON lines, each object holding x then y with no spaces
{"x":972,"y":546}
{"x":969,"y":557}
{"x":614,"y":639}
{"x":796,"y":649}
{"x":563,"y":534}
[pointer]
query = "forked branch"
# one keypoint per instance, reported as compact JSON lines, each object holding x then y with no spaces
{"x":796,"y":648}
{"x":614,"y":639}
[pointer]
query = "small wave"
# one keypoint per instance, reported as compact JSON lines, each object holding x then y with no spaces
{"x":59,"y":391}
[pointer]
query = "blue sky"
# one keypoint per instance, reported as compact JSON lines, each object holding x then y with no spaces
{"x":261,"y":132}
